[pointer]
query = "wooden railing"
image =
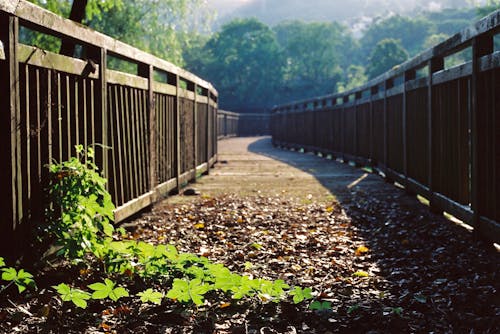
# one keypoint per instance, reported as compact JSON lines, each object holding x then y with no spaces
{"x":232,"y":124}
{"x":434,"y":130}
{"x":150,"y":136}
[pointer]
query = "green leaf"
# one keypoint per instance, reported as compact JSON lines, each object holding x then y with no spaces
{"x":22,"y":279}
{"x":361,"y":273}
{"x":300,"y":294}
{"x":2,"y":262}
{"x":118,"y":293}
{"x":107,"y":289}
{"x":151,"y":296}
{"x":76,"y":296}
{"x":9,"y":274}
{"x":320,"y":306}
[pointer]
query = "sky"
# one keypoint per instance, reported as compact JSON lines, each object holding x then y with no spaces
{"x":353,"y":13}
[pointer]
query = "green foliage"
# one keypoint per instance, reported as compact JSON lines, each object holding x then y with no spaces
{"x":354,"y":77}
{"x":150,"y":296}
{"x":22,"y":279}
{"x":161,"y":27}
{"x":76,"y":296}
{"x":82,"y":210}
{"x":2,"y":262}
{"x":316,"y":55}
{"x":300,"y":294}
{"x":320,"y":306}
{"x":108,"y":290}
{"x":411,"y":32}
{"x":186,"y":291}
{"x":386,"y":54}
{"x":489,"y":7}
{"x":244,"y":62}
{"x":82,"y":225}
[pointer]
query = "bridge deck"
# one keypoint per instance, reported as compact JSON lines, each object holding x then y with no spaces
{"x":318,"y":223}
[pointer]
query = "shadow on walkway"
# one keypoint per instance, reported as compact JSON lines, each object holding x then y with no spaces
{"x":431,"y":268}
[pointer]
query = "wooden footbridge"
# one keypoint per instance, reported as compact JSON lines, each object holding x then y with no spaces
{"x":431,"y":129}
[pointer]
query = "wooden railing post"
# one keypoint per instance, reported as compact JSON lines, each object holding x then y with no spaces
{"x":481,"y":46}
{"x":195,"y":131}
{"x":435,"y":65}
{"x":177,"y":135}
{"x":208,"y":140}
{"x":104,"y":111}
{"x":387,"y":84}
{"x":373,"y":91}
{"x":408,"y":75}
{"x":345,"y":99}
{"x":153,"y":139}
{"x":11,"y":177}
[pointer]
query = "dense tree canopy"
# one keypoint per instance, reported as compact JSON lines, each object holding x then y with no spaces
{"x":156,"y":26}
{"x":316,"y":55}
{"x":255,"y":66}
{"x":243,"y":60}
{"x":386,"y":54}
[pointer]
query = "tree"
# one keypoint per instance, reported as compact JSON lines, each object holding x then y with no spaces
{"x":411,"y":32}
{"x":354,"y":77}
{"x":386,"y":54}
{"x":244,"y":62}
{"x":489,"y":7}
{"x":316,"y":56}
{"x":151,"y":25}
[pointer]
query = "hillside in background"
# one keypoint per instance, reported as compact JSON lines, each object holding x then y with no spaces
{"x":355,"y":11}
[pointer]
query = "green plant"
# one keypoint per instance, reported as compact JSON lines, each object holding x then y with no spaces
{"x":76,"y":296}
{"x":300,"y":294}
{"x":150,"y":296}
{"x":320,"y":306}
{"x":81,"y":211}
{"x":108,"y":290}
{"x":22,"y":279}
{"x":186,"y":291}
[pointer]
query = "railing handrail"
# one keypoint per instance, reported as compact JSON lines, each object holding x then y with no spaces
{"x":31,"y":14}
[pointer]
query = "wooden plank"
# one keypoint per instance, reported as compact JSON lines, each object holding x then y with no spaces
{"x":202,"y":99}
{"x":102,"y":113}
{"x":462,"y":212}
{"x":395,"y":90}
{"x":38,"y":57}
{"x":131,"y":207}
{"x":434,"y":65}
{"x":9,"y":6}
{"x":195,"y":131}
{"x":15,"y":112}
{"x":202,"y":168}
{"x":159,"y":87}
{"x":416,"y":84}
{"x":126,"y":79}
{"x":453,"y":73}
{"x":481,"y":46}
{"x":489,"y":62}
{"x":489,"y":229}
{"x":178,"y":135}
{"x":166,"y":187}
